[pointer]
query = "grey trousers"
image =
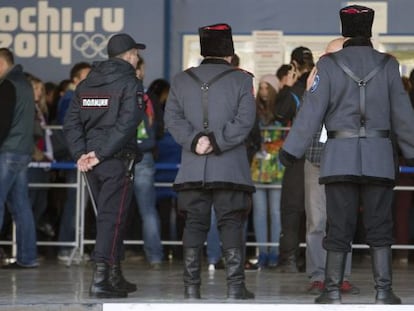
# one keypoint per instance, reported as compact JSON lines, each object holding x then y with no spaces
{"x":315,"y":209}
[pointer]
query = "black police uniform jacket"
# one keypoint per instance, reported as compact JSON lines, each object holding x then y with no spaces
{"x":104,"y":113}
{"x":334,"y":100}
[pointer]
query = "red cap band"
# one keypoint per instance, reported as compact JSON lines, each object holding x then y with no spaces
{"x":218,"y":27}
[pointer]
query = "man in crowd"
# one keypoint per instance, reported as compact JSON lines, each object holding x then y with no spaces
{"x":17,"y":114}
{"x":67,"y":227}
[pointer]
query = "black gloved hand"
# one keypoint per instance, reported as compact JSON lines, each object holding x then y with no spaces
{"x":286,"y":158}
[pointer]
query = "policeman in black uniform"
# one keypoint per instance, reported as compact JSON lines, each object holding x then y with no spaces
{"x":358,"y":95}
{"x":100,"y":128}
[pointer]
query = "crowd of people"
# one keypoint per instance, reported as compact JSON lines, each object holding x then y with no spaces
{"x":270,"y":157}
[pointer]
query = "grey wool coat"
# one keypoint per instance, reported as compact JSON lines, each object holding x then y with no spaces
{"x":334,"y":100}
{"x":231,"y":115}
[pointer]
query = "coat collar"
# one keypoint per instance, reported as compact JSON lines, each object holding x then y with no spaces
{"x":214,"y":61}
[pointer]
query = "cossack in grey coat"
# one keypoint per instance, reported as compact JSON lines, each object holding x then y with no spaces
{"x":231,"y":115}
{"x":335,"y":101}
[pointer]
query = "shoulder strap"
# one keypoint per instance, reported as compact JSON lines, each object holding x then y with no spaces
{"x":193,"y":75}
{"x":190,"y":72}
{"x":361,"y":83}
{"x":349,"y":72}
{"x":204,"y":88}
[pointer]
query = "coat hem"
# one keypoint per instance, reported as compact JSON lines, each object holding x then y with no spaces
{"x":213,"y":186}
{"x":357,"y":179}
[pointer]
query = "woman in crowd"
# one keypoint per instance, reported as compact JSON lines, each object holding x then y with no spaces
{"x":267,"y":170}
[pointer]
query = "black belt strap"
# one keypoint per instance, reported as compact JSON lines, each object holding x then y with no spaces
{"x":204,"y":88}
{"x":361,"y":84}
{"x":357,"y":133}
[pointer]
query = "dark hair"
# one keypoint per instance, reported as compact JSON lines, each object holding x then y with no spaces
{"x":77,"y":68}
{"x":7,"y":55}
{"x":32,"y":77}
{"x":235,"y":60}
{"x":406,"y":83}
{"x":303,"y":57}
{"x":63,"y":86}
{"x":158,"y":86}
{"x":50,"y":87}
{"x":283,"y":70}
{"x":60,"y":89}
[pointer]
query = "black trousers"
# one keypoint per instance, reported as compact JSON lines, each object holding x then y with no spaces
{"x":231,"y":208}
{"x":292,"y":209}
{"x":112,"y":191}
{"x":343,"y":201}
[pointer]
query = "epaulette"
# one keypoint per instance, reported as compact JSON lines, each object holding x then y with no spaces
{"x":245,"y":71}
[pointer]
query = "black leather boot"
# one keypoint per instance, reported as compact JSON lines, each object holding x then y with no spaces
{"x":118,"y":281}
{"x":192,"y":267}
{"x":236,"y":288}
{"x":101,"y":286}
{"x":287,"y":265}
{"x":382,"y":270}
{"x":334,"y":274}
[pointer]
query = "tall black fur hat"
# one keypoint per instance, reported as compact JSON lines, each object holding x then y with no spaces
{"x":216,"y":40}
{"x":356,"y":21}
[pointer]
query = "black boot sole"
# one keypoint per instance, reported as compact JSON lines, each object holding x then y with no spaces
{"x":107,"y":292}
{"x":328,"y":302}
{"x":327,"y":299}
{"x":126,"y":288}
{"x":242,"y":294}
{"x":192,"y":293}
{"x":108,"y":295}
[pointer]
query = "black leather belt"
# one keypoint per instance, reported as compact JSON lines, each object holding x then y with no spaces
{"x":361,"y":133}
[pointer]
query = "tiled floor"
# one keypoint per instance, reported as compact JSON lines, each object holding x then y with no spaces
{"x":54,"y":286}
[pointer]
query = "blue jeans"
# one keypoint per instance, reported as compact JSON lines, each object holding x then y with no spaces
{"x":14,"y":189}
{"x":67,"y":229}
{"x":145,"y":196}
{"x":213,"y":241}
{"x":266,"y":204}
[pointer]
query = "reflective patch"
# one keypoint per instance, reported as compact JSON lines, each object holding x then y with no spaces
{"x":95,"y":102}
{"x":141,"y":100}
{"x":315,"y":84}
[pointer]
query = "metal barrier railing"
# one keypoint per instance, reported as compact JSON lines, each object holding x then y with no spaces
{"x":80,"y":241}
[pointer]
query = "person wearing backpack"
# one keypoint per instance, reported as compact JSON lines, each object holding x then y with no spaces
{"x":358,"y":94}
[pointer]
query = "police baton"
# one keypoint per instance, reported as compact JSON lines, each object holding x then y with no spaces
{"x":88,"y":186}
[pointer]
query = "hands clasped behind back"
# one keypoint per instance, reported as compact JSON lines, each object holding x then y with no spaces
{"x":203,"y":146}
{"x":87,"y":161}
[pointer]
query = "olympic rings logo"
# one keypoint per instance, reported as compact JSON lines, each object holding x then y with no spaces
{"x":90,"y":47}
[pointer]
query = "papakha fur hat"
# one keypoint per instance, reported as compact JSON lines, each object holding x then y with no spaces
{"x":216,"y":40}
{"x":356,"y":21}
